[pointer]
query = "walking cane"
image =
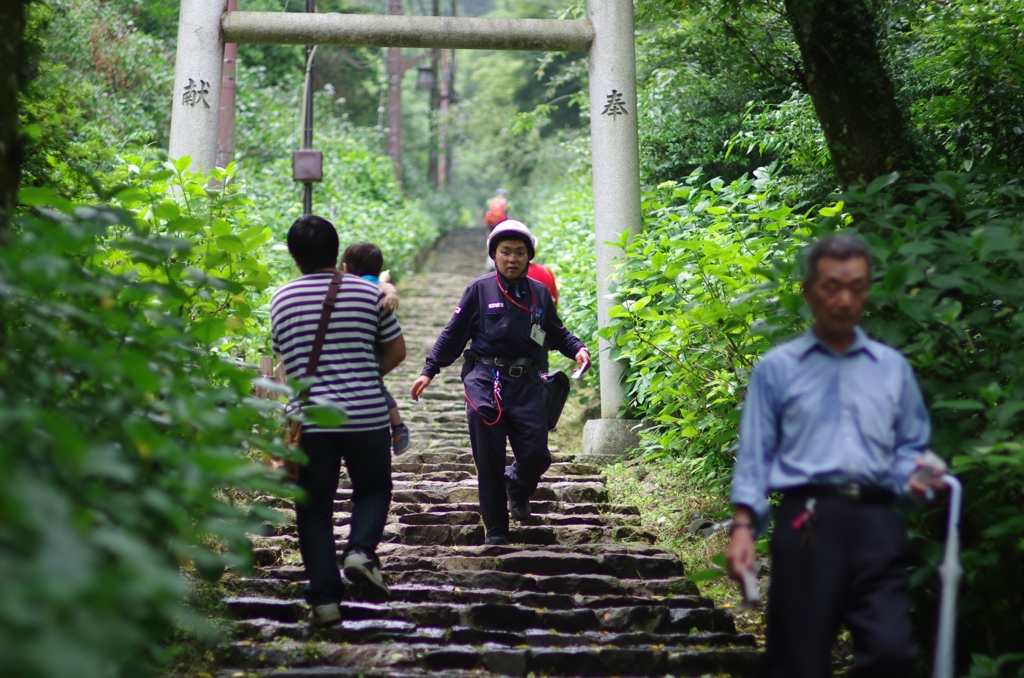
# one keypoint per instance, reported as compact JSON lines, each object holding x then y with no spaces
{"x":949,"y":573}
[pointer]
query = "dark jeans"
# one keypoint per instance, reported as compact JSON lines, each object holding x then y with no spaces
{"x":367,"y":456}
{"x":524,"y":423}
{"x":849,"y":567}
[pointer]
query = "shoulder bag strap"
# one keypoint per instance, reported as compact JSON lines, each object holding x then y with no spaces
{"x":321,"y":329}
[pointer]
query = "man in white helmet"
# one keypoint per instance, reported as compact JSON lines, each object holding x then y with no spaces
{"x":512,"y":323}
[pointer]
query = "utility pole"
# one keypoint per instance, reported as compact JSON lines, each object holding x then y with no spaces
{"x":449,"y":99}
{"x":307,"y":122}
{"x":435,"y":107}
{"x":394,"y":82}
{"x":442,"y":132}
{"x":228,"y":95}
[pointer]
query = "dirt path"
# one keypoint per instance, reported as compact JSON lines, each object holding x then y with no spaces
{"x":581,"y":592}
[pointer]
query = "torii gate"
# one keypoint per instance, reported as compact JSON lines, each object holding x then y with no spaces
{"x":606,"y":34}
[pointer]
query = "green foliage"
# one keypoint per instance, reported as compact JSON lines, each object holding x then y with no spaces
{"x":123,"y":422}
{"x":565,"y":234}
{"x":965,"y":84}
{"x":689,"y":298}
{"x":700,"y":66}
{"x":358,"y":195}
{"x":226,"y":244}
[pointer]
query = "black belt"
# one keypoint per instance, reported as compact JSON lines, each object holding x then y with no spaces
{"x":853,"y":492}
{"x":515,"y":368}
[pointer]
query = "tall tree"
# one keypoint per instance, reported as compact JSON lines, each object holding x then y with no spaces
{"x":866,"y":132}
{"x":12,"y":15}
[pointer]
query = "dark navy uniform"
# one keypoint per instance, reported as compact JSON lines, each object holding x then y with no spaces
{"x":499,"y":318}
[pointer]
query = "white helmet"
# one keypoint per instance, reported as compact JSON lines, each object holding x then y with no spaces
{"x":512,"y":227}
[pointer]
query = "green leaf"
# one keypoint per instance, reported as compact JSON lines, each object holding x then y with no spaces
{"x":958,"y":405}
{"x":44,"y":197}
{"x":325,"y":416}
{"x":881,"y":182}
{"x":167,"y":210}
{"x":918,"y":248}
{"x":704,"y":576}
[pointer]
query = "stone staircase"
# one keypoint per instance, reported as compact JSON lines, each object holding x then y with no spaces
{"x":581,"y":591}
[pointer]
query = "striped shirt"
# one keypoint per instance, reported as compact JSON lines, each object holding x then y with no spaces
{"x":348,"y":373}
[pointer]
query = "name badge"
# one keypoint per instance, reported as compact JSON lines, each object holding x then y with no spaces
{"x":537,"y":334}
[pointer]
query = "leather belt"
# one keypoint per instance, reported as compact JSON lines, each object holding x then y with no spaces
{"x":514,"y":368}
{"x":852,"y":492}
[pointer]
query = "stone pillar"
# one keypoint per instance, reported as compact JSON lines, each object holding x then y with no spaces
{"x":616,"y":173}
{"x":198,"y":68}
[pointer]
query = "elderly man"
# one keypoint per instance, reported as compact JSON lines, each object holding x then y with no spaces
{"x":835,"y":422}
{"x":512,"y":321}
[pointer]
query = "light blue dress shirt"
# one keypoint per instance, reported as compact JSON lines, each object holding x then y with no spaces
{"x":813,"y":416}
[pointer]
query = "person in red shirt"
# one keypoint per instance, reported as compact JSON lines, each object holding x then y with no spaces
{"x":544,"y":276}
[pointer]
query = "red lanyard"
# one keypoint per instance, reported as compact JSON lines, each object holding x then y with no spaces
{"x":533,"y":299}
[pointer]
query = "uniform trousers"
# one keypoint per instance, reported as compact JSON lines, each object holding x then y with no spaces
{"x":523,"y":423}
{"x":848,"y":564}
{"x":367,"y":457}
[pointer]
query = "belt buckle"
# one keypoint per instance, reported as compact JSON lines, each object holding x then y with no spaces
{"x":850,"y":491}
{"x":515,"y":371}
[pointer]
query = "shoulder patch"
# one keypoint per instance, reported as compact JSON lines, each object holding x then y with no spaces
{"x":458,"y":310}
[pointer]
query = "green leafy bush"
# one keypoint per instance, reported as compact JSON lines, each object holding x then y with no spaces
{"x":564,"y":227}
{"x":227,"y":246}
{"x":689,"y":295}
{"x":123,"y":423}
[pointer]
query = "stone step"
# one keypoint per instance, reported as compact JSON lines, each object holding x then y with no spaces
{"x":570,"y":596}
{"x":568,"y":584}
{"x":285,"y":588}
{"x":390,"y":658}
{"x":557,"y":470}
{"x":502,"y":616}
{"x":574,"y":492}
{"x":473,"y":535}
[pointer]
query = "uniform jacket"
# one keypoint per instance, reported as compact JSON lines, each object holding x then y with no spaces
{"x":500,"y":329}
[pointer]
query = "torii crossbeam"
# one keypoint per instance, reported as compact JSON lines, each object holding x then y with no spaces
{"x":606,"y":35}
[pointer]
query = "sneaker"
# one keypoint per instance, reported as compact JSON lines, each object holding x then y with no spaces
{"x":363,"y":573}
{"x":520,"y":510}
{"x":400,"y":438}
{"x":324,"y":615}
{"x":496,"y":540}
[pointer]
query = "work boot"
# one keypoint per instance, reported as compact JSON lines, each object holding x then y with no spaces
{"x":362,"y":571}
{"x":324,"y":615}
{"x":496,"y":540}
{"x":520,"y":509}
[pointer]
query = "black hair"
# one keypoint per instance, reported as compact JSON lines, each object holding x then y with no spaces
{"x":313,"y":243}
{"x":363,"y":258}
{"x":840,"y":246}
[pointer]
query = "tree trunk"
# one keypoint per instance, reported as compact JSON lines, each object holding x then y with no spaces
{"x":853,"y":96}
{"x":12,"y":17}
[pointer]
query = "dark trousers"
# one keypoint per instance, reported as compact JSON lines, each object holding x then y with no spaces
{"x":367,"y":456}
{"x":849,"y":566}
{"x":524,"y":405}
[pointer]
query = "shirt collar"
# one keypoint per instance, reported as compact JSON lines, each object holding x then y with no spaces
{"x":513,"y":286}
{"x":809,"y":341}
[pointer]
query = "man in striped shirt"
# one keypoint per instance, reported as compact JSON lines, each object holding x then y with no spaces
{"x":348,"y":375}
